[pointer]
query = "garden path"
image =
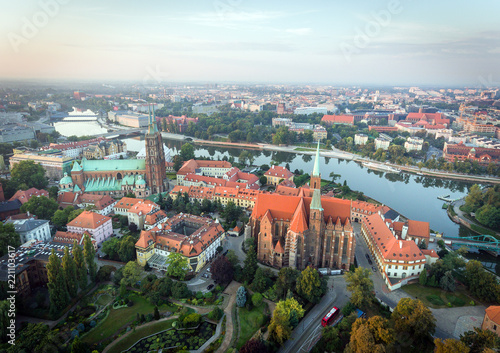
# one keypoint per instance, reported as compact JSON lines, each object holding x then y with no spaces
{"x":230,"y":290}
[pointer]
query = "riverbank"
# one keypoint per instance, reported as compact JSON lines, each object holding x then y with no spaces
{"x":335,"y":153}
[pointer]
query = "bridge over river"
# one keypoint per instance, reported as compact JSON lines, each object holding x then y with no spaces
{"x":474,"y":243}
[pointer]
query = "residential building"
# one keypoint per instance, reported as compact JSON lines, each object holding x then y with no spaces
{"x":215,"y":169}
{"x":103,"y":204}
{"x":9,"y":208}
{"x":98,"y":225}
{"x":71,"y":237}
{"x":138,"y":212}
{"x":382,"y":143}
{"x":398,"y":260}
{"x":31,"y":229}
{"x":25,"y":195}
{"x":360,"y":139}
{"x":123,"y":205}
{"x":414,"y":144}
{"x":277,"y":174}
{"x":196,"y":238}
{"x":72,"y":149}
{"x":104,"y":148}
{"x":491,"y":319}
{"x":12,"y":133}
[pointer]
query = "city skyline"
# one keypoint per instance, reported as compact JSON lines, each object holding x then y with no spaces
{"x":380,"y":42}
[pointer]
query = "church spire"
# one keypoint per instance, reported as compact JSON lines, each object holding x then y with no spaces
{"x":316,"y":163}
{"x":152,"y":121}
{"x":315,"y":182}
{"x":316,"y":200}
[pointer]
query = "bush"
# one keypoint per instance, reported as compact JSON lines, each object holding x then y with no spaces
{"x":257,"y":299}
{"x":199,"y":295}
{"x":241,"y":297}
{"x":191,"y":320}
{"x":434,"y":299}
{"x":216,"y":314}
{"x":93,"y":323}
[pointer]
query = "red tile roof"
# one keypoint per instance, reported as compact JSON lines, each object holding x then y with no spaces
{"x":338,"y":119}
{"x":25,"y":195}
{"x":89,"y":220}
{"x":193,"y":164}
{"x":493,"y":313}
{"x":280,"y":172}
{"x":418,"y":229}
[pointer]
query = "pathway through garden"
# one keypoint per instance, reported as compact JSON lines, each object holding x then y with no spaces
{"x":230,"y":290}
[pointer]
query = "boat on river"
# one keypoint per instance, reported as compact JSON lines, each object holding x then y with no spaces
{"x":381,"y":167}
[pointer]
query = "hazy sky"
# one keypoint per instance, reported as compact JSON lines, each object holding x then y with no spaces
{"x":333,"y":41}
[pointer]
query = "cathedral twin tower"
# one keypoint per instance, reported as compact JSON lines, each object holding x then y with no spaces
{"x":156,"y":174}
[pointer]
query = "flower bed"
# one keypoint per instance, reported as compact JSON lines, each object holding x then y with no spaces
{"x":190,"y":338}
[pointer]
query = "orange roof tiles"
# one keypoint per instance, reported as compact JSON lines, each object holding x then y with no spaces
{"x":25,"y":195}
{"x":90,"y":220}
{"x":338,"y":119}
{"x":387,"y":244}
{"x":418,"y":229}
{"x":299,"y":219}
{"x":280,"y":172}
{"x":191,"y":165}
{"x":493,"y":313}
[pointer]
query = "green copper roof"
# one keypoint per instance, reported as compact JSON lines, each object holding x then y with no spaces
{"x":76,"y":188}
{"x":66,"y":179}
{"x":113,"y":164}
{"x":112,"y":184}
{"x":316,"y":163}
{"x":76,"y":167}
{"x":152,"y":128}
{"x":316,"y":200}
{"x":140,"y":181}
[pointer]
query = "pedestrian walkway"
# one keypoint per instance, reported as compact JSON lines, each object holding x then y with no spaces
{"x":231,"y":291}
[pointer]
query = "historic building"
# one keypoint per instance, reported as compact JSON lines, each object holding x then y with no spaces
{"x":196,"y":238}
{"x":298,"y":231}
{"x":461,"y":152}
{"x":141,"y":177}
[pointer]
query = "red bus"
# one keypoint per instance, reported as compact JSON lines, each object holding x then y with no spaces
{"x":332,"y":314}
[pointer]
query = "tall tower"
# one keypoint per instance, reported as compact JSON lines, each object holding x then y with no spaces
{"x":315,"y":182}
{"x":156,"y":173}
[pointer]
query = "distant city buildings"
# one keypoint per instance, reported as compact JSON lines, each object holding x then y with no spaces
{"x":461,"y":152}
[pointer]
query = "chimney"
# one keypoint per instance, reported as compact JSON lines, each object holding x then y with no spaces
{"x":400,"y":244}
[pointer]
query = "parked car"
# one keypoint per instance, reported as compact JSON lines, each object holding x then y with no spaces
{"x":208,"y":269}
{"x":370,"y":262}
{"x":367,"y":256}
{"x":210,"y":286}
{"x":206,"y":275}
{"x":374,"y":269}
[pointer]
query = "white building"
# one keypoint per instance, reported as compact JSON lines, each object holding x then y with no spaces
{"x":98,"y":225}
{"x":31,"y":229}
{"x":381,"y":143}
{"x":414,"y":144}
{"x":310,"y":110}
{"x":360,"y":139}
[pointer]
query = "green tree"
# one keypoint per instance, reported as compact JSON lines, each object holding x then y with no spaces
{"x":250,"y":265}
{"x":241,"y":296}
{"x":60,"y":218}
{"x":447,"y":282}
{"x":81,"y":267}
{"x":262,"y":280}
{"x":413,"y":318}
{"x":8,"y":237}
{"x":474,"y":198}
{"x":4,"y":318}
{"x":478,"y":340}
{"x":262,"y":180}
{"x":422,"y":279}
{"x":360,"y":285}
{"x":309,"y":285}
{"x":489,"y":216}
{"x":481,"y":283}
{"x":42,"y":207}
{"x":178,"y":265}
{"x":78,"y":346}
{"x":69,"y":270}
{"x":75,"y":213}
{"x":257,"y":299}
{"x":30,"y":174}
{"x":89,"y":254}
{"x":187,"y":152}
{"x":126,"y":249}
{"x":58,"y":292}
{"x":286,"y":281}
{"x":110,"y":247}
{"x":131,"y":273}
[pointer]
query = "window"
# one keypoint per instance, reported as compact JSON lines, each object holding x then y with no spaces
{"x":389,"y":267}
{"x":388,"y":273}
{"x":405,"y":267}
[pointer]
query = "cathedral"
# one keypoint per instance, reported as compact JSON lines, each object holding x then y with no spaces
{"x":300,"y":231}
{"x":142,"y":177}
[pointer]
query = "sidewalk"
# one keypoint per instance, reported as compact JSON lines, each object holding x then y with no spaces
{"x":230,"y":290}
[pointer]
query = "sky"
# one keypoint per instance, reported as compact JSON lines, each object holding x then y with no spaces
{"x":395,"y":42}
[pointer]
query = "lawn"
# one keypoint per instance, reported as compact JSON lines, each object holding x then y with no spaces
{"x":250,"y":322}
{"x":118,"y":318}
{"x":436,"y":297}
{"x":303,"y":149}
{"x":139,"y":333}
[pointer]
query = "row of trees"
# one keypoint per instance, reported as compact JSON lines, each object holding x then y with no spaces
{"x":485,"y":204}
{"x":68,"y":275}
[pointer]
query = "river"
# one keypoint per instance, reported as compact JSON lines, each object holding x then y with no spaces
{"x":413,"y":196}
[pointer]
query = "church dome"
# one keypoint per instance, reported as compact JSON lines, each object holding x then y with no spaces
{"x":66,"y":180}
{"x":140,"y":181}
